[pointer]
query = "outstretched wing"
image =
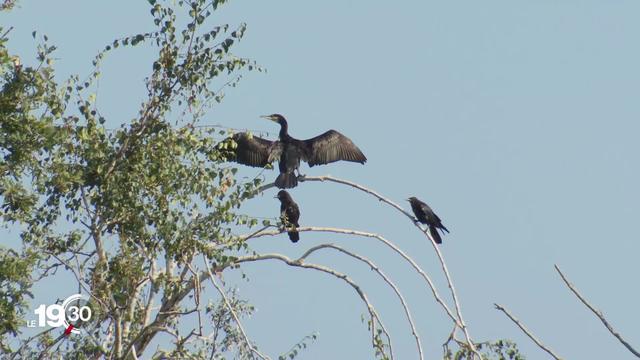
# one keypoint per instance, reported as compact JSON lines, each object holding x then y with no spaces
{"x":331,"y":146}
{"x":252,"y":150}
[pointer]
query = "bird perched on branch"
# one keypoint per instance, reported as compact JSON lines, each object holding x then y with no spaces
{"x":323,"y":149}
{"x":426,"y":216}
{"x":289,"y":214}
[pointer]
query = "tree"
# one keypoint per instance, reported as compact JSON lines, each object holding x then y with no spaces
{"x":160,"y":194}
{"x":145,"y":216}
{"x":157,"y":191}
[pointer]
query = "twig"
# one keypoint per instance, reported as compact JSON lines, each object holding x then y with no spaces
{"x":375,"y":268}
{"x":197,"y":295}
{"x":598,"y":314}
{"x":415,"y":266}
{"x":527,"y":332}
{"x":78,"y":279}
{"x":26,"y":342}
{"x":6,"y":33}
{"x":298,"y":263}
{"x":233,"y":312}
{"x":443,"y":264}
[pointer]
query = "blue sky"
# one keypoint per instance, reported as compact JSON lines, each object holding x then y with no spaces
{"x":516,"y":121}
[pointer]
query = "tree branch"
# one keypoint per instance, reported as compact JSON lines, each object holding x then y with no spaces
{"x":388,"y":243}
{"x":78,"y":277}
{"x":298,"y":263}
{"x":527,"y":332}
{"x":461,"y":323}
{"x":598,"y":313}
{"x":375,"y":268}
{"x":233,"y":312}
{"x":26,"y":342}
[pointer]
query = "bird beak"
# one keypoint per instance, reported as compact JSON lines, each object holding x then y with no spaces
{"x":268,"y":117}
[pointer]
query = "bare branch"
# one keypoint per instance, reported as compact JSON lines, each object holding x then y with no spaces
{"x":375,"y":268}
{"x":117,"y":345}
{"x":78,"y":277}
{"x":298,"y":263}
{"x":133,"y":302}
{"x":443,"y":264}
{"x":388,"y":243}
{"x":527,"y":332}
{"x":196,"y":297}
{"x":26,"y":342}
{"x":232,"y":311}
{"x":10,"y":27}
{"x":598,"y":313}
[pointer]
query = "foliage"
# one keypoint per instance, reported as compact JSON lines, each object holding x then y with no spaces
{"x":127,"y":210}
{"x":124,"y":210}
{"x":7,"y":4}
{"x":15,"y":284}
{"x":498,"y":350}
{"x":298,"y":348}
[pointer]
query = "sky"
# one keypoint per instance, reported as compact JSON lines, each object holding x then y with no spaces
{"x":516,"y":121}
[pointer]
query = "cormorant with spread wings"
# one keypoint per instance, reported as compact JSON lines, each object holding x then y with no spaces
{"x":323,"y":149}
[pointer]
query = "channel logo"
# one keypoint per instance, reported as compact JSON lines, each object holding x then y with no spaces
{"x":70,"y":315}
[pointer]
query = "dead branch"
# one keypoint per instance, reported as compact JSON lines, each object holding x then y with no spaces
{"x":299,"y":263}
{"x":598,"y":313}
{"x":375,"y":268}
{"x":383,"y":199}
{"x":388,"y":243}
{"x":527,"y":332}
{"x":233,"y":312}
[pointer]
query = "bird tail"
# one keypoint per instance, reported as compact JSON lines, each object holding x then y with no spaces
{"x":286,"y":181}
{"x":444,"y":228}
{"x":294,"y":236}
{"x":434,"y":233}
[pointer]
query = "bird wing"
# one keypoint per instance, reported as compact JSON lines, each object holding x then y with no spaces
{"x":253,"y":150}
{"x":331,"y":146}
{"x":293,"y":214}
{"x":427,"y":209}
{"x":436,"y":221}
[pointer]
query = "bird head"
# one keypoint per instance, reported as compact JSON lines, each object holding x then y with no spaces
{"x":275,"y":118}
{"x":282,"y":195}
{"x":412,"y":199}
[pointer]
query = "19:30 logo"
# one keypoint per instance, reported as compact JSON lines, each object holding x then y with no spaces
{"x":70,"y":314}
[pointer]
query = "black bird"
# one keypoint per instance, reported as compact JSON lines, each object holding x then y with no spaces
{"x":426,"y":216}
{"x":289,"y":214}
{"x":322,"y":149}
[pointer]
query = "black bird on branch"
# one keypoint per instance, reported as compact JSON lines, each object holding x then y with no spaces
{"x":289,"y":214}
{"x":426,"y":216}
{"x":323,"y":149}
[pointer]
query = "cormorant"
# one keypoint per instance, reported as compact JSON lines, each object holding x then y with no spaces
{"x":322,"y":149}
{"x":425,"y":215}
{"x":289,"y":214}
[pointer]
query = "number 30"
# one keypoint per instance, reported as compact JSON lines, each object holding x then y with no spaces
{"x":83,"y":313}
